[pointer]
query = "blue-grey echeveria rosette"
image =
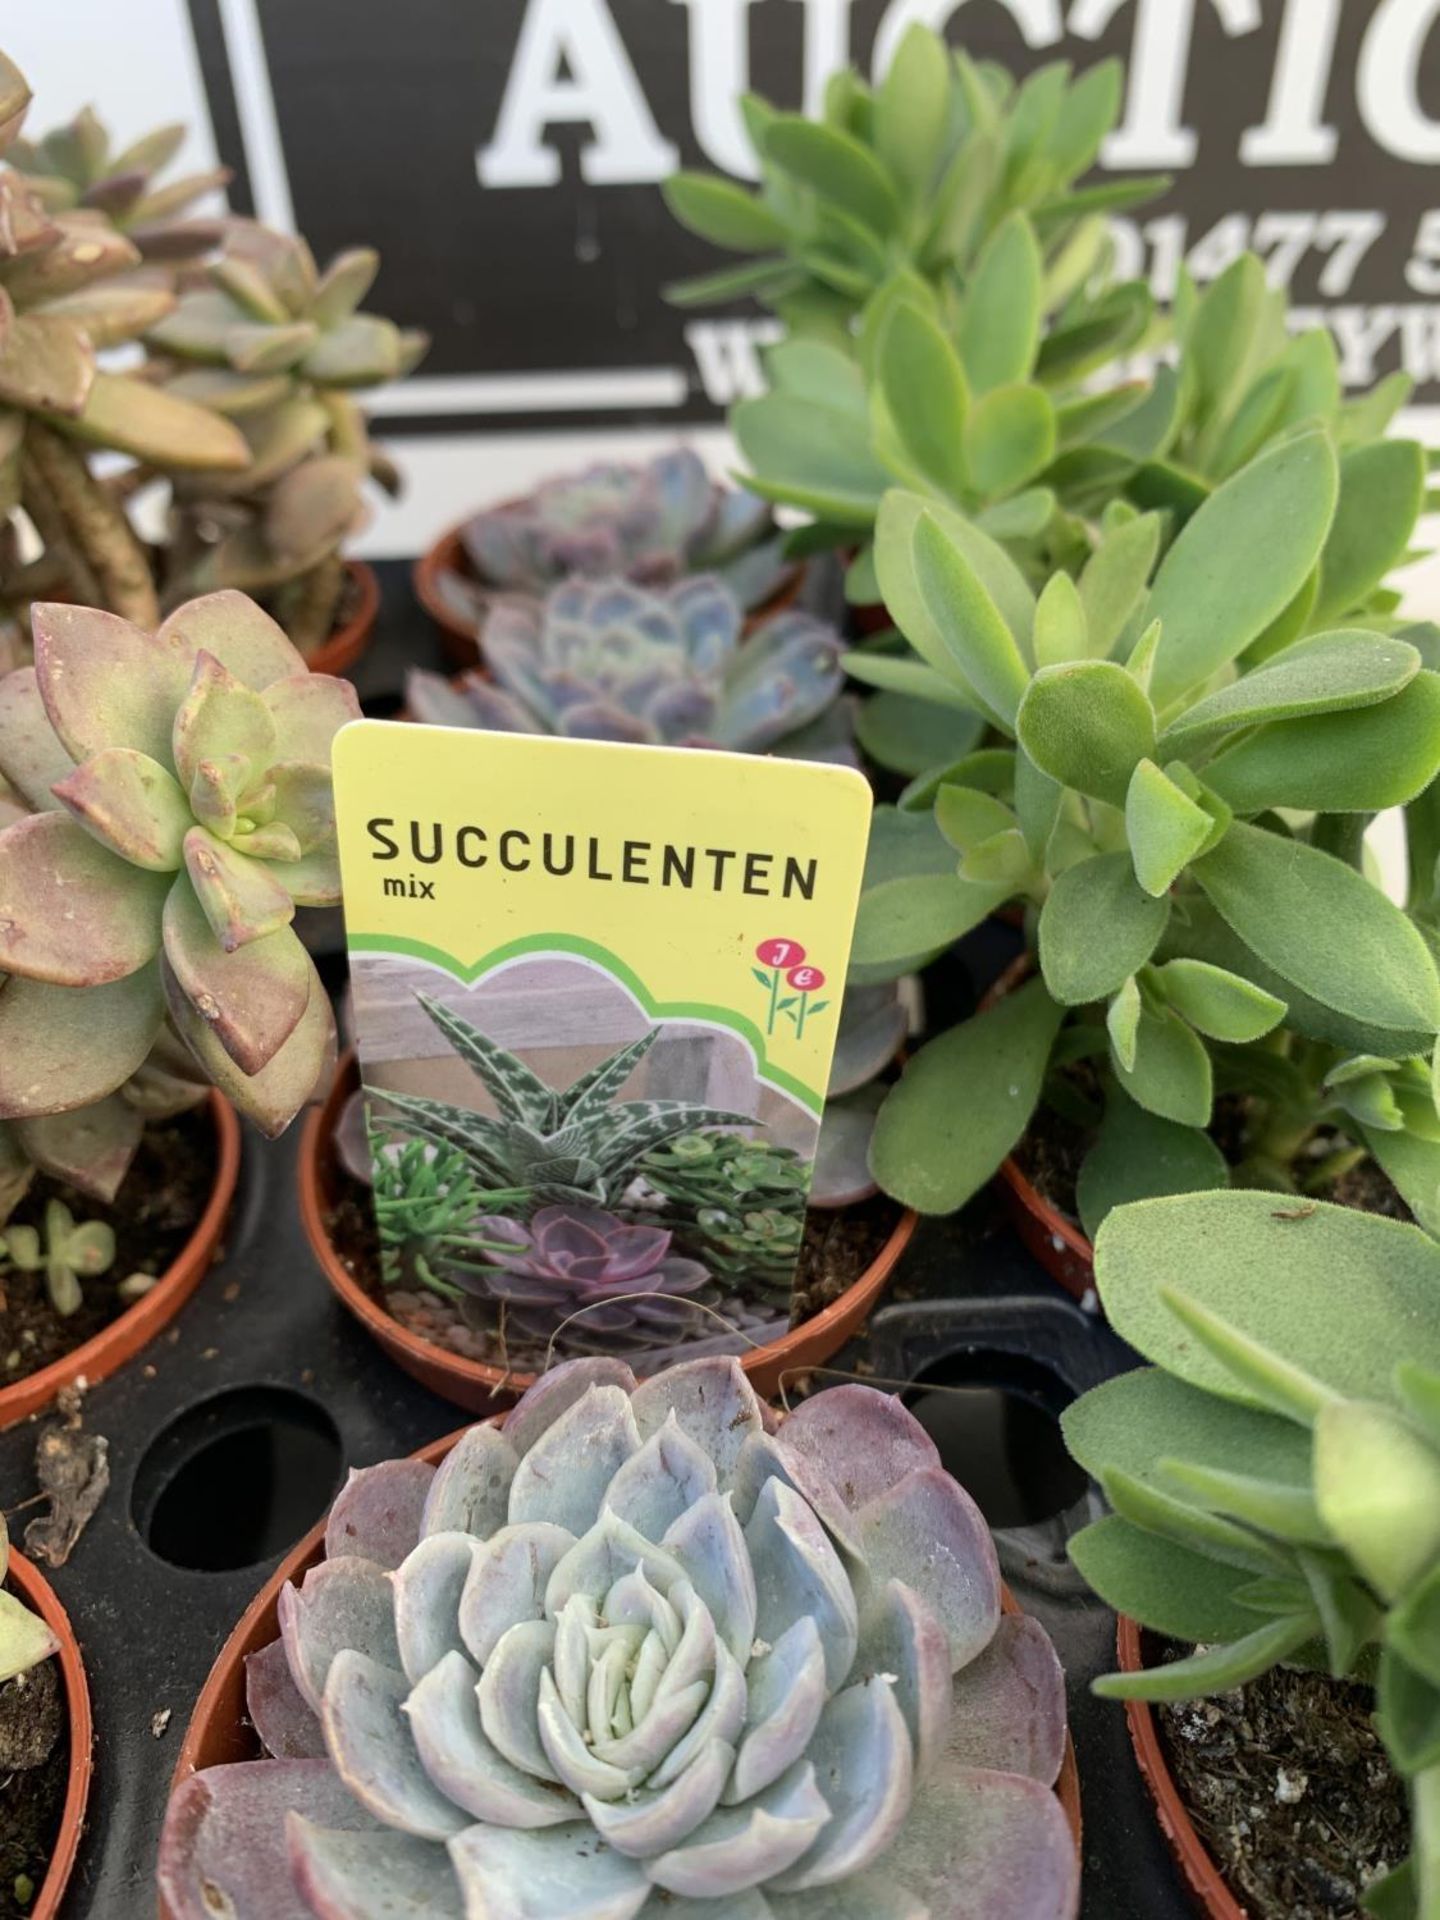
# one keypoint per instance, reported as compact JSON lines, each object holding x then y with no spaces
{"x":646,"y":1652}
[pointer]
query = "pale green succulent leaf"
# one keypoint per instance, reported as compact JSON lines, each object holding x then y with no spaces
{"x":1218,"y":1668}
{"x":130,"y":804}
{"x":1356,"y":762}
{"x":961,"y":615}
{"x":926,"y":397}
{"x":1284,"y":1512}
{"x":1137,"y":1156}
{"x":1087,"y":724}
{"x":1171,"y":1588}
{"x":1000,"y":321}
{"x":1164,"y":826}
{"x":243,"y":899}
{"x":1171,"y":1076}
{"x":1062,"y":626}
{"x":1218,"y":1003}
{"x":76,"y":915}
{"x":62,"y":1049}
{"x":1377,"y":1484}
{"x":1008,"y":438}
{"x":1382,"y":495}
{"x":1328,"y":673}
{"x":1097,"y":927}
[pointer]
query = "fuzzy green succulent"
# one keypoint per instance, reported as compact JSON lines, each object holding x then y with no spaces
{"x":183,"y":811}
{"x":642,"y":1653}
{"x":67,"y":290}
{"x":579,"y":1147}
{"x":281,"y":349}
{"x":1187,"y":773}
{"x":1275,"y":1470}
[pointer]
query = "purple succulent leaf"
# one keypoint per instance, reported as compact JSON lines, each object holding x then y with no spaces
{"x":988,"y":1846}
{"x":861,"y":1750}
{"x":490,"y":707}
{"x":252,"y":999}
{"x":429,"y":1589}
{"x":563,"y":1477}
{"x":74,"y":913}
{"x":842,"y":1176}
{"x":438,"y":702}
{"x":1009,"y":1705}
{"x":763,"y":1458}
{"x":750,"y":1905}
{"x":864,"y":1442}
{"x":32,"y":757}
{"x":90,"y":1149}
{"x":373,"y":1753}
{"x":299,"y":1072}
{"x":341,"y":1603}
{"x":714,"y":1402}
{"x":224,"y":1837}
{"x":471,"y":1489}
{"x":927,"y":1532}
{"x":497,"y":549}
{"x":710,"y":620}
{"x":869,"y":1896}
{"x":242,"y":898}
{"x":757,"y":575}
{"x":872,"y":1030}
{"x":744,"y":1847}
{"x":218,"y":717}
{"x":650,"y":1823}
{"x":686,"y":496}
{"x":900,"y":1636}
{"x":288,"y":1728}
{"x":60,"y":1048}
{"x":737,"y":519}
{"x":377,"y":1513}
{"x":787,"y":674}
{"x":507,"y":1581}
{"x":308,"y":711}
{"x":444,"y":1718}
{"x":370,"y":1876}
{"x":305,"y":802}
{"x":562,"y":1873}
{"x":786,"y":1694}
{"x":660,"y":1483}
{"x":709,"y":1546}
{"x":509,"y":1696}
{"x":105,"y":683}
{"x":542,"y":1405}
{"x":605,"y":720}
{"x":241,"y":636}
{"x":797,"y":1571}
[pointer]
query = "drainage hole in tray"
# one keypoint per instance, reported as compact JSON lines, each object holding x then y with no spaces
{"x":996,"y":1420}
{"x":236,"y":1480}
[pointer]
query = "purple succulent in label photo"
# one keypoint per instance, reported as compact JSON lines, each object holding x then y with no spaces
{"x":646,"y":1650}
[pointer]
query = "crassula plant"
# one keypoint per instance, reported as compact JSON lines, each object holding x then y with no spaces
{"x":1188,"y":767}
{"x":652,"y":522}
{"x":659,"y":666}
{"x":1275,"y":1470}
{"x":180,"y":782}
{"x":639,"y":1653}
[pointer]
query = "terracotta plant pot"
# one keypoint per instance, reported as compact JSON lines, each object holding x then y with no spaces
{"x":99,"y":1357}
{"x":482,"y":1389}
{"x":31,"y":1586}
{"x":462,"y":649}
{"x":347,"y":642}
{"x":219,"y":1733}
{"x":1057,"y":1243}
{"x":1202,"y":1876}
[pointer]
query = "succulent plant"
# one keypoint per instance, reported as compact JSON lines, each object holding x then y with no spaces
{"x":588,"y":1281}
{"x":1195,"y":759}
{"x":78,"y":166}
{"x":1275,"y":1471}
{"x":25,"y":1639}
{"x":428,"y":1211}
{"x":66,"y":293}
{"x":652,"y":523}
{"x":608,"y":660}
{"x":906,"y":180}
{"x":65,"y":1252}
{"x":736,"y":1204}
{"x":640,"y":1654}
{"x":181,"y":783}
{"x":282,"y":349}
{"x":580,"y":1147}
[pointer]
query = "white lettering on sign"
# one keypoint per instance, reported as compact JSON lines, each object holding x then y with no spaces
{"x":571,"y":67}
{"x":1294,"y":133}
{"x":1387,"y":79}
{"x":1038,"y":20}
{"x":719,"y":75}
{"x":727,"y":357}
{"x":1153,"y":133}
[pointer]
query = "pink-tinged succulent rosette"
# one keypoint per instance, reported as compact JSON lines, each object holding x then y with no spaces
{"x":644,"y":1652}
{"x":179,"y":783}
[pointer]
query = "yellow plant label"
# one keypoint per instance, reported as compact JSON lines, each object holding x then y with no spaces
{"x":597,"y":989}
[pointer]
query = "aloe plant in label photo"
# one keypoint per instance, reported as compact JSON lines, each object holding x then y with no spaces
{"x":653,"y":523}
{"x":1275,"y":1478}
{"x":177,"y":812}
{"x":1189,"y":764}
{"x":949,"y":311}
{"x":640,"y":1651}
{"x":575,"y":1220}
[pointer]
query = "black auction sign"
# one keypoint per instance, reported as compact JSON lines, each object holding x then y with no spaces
{"x":505,"y":157}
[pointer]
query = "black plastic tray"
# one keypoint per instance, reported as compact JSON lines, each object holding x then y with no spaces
{"x":264,"y":1335}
